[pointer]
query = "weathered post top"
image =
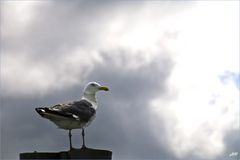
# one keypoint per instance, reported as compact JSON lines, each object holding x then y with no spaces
{"x":84,"y":153}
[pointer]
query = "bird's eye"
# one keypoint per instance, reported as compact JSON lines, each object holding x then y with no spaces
{"x":93,"y":85}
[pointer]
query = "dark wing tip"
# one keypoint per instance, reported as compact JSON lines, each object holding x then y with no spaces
{"x":40,"y":111}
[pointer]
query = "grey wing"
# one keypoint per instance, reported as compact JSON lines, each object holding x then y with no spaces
{"x":79,"y":110}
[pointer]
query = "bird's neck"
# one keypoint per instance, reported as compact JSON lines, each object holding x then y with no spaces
{"x":91,"y":98}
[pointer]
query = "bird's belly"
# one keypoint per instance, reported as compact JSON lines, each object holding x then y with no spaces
{"x":66,"y":123}
{"x":70,"y":124}
{"x":73,"y":124}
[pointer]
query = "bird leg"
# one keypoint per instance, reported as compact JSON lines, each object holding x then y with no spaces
{"x":83,"y":134}
{"x":70,"y":139}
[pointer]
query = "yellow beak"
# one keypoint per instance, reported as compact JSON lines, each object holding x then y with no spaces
{"x":104,"y":88}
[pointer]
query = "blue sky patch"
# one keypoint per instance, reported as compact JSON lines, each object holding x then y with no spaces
{"x":230,"y":76}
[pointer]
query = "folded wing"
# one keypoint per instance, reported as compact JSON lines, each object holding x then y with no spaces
{"x":78,"y":110}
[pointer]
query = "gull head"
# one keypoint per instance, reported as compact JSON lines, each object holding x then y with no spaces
{"x":94,"y":87}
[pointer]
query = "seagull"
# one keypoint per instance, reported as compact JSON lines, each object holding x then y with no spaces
{"x":77,"y":114}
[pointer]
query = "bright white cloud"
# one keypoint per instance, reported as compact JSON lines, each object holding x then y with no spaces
{"x":204,"y":109}
{"x":16,"y":16}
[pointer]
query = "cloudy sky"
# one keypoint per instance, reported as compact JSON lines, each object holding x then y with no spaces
{"x":172,"y":68}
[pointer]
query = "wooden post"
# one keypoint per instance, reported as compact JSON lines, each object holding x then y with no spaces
{"x":84,"y":153}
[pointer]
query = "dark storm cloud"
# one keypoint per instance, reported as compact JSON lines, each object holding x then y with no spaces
{"x":123,"y":118}
{"x":127,"y":107}
{"x":23,"y":130}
